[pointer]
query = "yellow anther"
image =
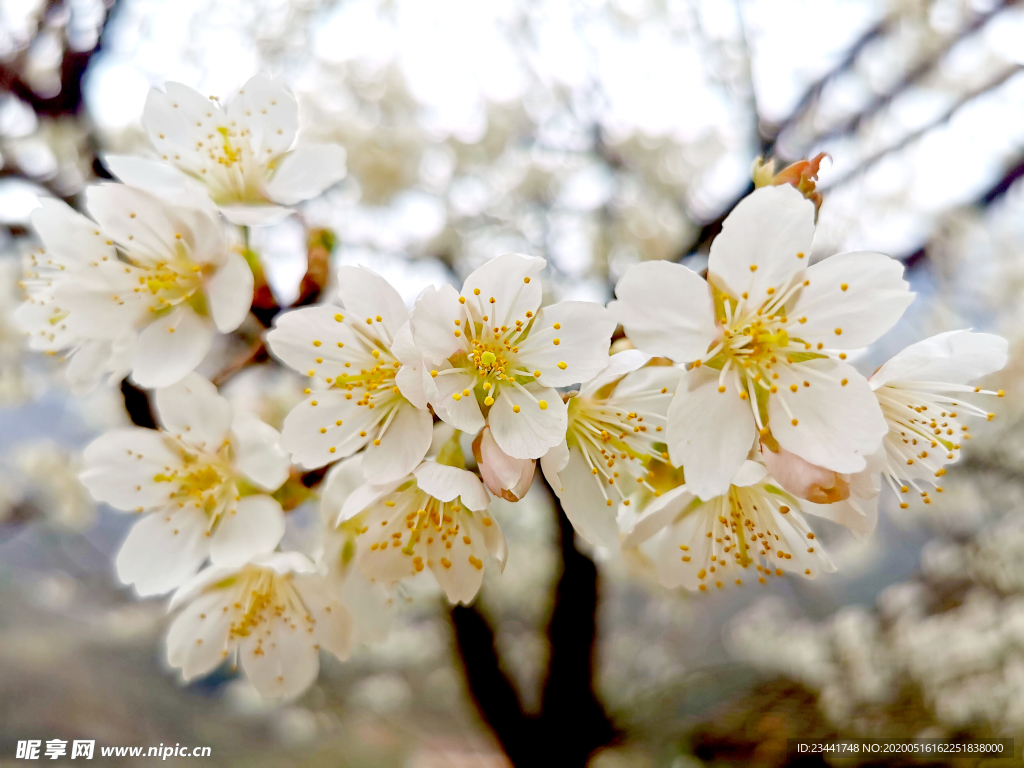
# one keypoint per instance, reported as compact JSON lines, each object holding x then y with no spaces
{"x":543,"y":404}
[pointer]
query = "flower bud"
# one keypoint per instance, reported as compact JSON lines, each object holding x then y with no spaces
{"x":503,"y":475}
{"x":802,"y":174}
{"x":805,"y":480}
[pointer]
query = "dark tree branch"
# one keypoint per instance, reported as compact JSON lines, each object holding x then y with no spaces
{"x":572,"y":723}
{"x":136,"y":402}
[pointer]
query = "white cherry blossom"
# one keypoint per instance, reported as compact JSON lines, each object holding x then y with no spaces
{"x":145,"y":288}
{"x":767,"y":337}
{"x":695,"y":543}
{"x":200,"y":484}
{"x":271,"y":615}
{"x":370,"y":380}
{"x":498,"y":356}
{"x":436,"y":519}
{"x":238,"y":157}
{"x":614,"y":443}
{"x":920,"y":391}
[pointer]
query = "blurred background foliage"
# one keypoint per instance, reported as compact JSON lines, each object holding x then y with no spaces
{"x":595,"y":133}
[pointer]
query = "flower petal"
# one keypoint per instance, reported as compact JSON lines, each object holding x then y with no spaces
{"x":253,"y":527}
{"x":170,"y":348}
{"x":666,"y":309}
{"x":199,"y":635}
{"x":464,"y":413}
{"x":583,"y":331}
{"x":764,"y":241}
{"x":505,"y":289}
{"x":448,"y":483}
{"x":618,"y":366}
{"x":229,"y":293}
{"x":332,"y":622}
{"x":584,"y":503}
{"x":121,"y":466}
{"x":403,"y":445}
{"x":851,"y":300}
{"x":255,"y":215}
{"x":163,"y":551}
{"x":433,"y":323}
{"x":321,"y":339}
{"x":710,"y":432}
{"x":193,"y":410}
{"x":956,"y":357}
{"x":367,"y":296}
{"x":835,"y":422}
{"x":268,"y":110}
{"x":281,"y":662}
{"x":325,"y":427}
{"x":531,"y":432}
{"x":258,"y":454}
{"x":306,"y":172}
{"x":159,"y":179}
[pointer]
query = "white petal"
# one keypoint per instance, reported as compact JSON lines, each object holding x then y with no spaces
{"x":367,"y":296}
{"x":363,"y":497}
{"x":666,"y":309}
{"x":553,"y":462}
{"x":193,"y":410}
{"x":163,"y":551}
{"x":710,"y":433}
{"x":413,"y":378}
{"x":459,"y":579}
{"x":511,"y":280}
{"x":750,"y":473}
{"x":838,"y":425}
{"x":160,"y":179}
{"x":253,"y":527}
{"x":340,"y":482}
{"x":530,"y":433}
{"x":584,"y":503}
{"x":200,"y":635}
{"x":68,"y":235}
{"x":170,"y":348}
{"x":659,"y":514}
{"x":301,"y":337}
{"x":584,"y":335}
{"x":268,"y":110}
{"x":618,"y":366}
{"x":403,"y":445}
{"x":121,"y":466}
{"x":193,"y":587}
{"x":464,"y":413}
{"x":333,"y":623}
{"x":690,"y":531}
{"x":258,"y":454}
{"x":286,"y":663}
{"x":254,"y":215}
{"x":370,"y":606}
{"x":301,"y":434}
{"x":852,"y":299}
{"x":433,"y":323}
{"x":493,"y":538}
{"x":229,"y":293}
{"x":448,"y":483}
{"x":956,"y":357}
{"x":285,"y":562}
{"x":306,"y":172}
{"x":770,"y":230}
{"x":858,"y":515}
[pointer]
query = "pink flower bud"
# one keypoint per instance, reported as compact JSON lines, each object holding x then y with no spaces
{"x":805,"y":480}
{"x":503,"y":475}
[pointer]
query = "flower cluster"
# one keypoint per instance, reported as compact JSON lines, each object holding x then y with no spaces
{"x":728,"y":416}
